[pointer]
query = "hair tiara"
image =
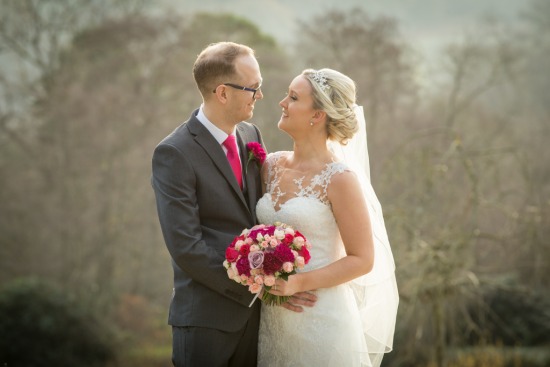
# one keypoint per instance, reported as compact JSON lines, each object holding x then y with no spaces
{"x":321,"y":80}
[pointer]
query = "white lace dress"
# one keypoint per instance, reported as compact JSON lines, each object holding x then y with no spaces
{"x":330,"y":333}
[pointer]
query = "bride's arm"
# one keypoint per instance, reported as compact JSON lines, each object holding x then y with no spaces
{"x":352,"y":216}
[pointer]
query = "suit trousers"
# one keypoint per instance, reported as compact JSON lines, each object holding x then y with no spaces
{"x":206,"y":347}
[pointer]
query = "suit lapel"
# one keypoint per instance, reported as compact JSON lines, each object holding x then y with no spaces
{"x":249,"y":168}
{"x":215,"y":151}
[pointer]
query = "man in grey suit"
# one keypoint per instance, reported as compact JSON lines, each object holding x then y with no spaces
{"x":203,"y":204}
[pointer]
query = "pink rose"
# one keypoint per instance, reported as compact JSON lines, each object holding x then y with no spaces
{"x":256,"y":259}
{"x":238,"y":244}
{"x":288,"y":267}
{"x":257,"y":226}
{"x":300,"y":262}
{"x":258,"y":279}
{"x":269,"y":280}
{"x":254,"y":288}
{"x":298,"y":242}
{"x":279,"y":234}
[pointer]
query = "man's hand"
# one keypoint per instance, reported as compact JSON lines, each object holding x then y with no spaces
{"x":300,"y":299}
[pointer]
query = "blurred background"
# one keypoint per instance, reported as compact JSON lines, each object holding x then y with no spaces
{"x":457,"y":101}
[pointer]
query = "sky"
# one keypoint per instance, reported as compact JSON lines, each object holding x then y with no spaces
{"x":426,"y":24}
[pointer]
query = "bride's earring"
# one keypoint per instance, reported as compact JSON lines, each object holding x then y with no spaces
{"x":311,"y":123}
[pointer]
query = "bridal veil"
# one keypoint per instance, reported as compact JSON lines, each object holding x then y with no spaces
{"x":376,"y":292}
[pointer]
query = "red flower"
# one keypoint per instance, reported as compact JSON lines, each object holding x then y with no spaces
{"x":288,"y":239}
{"x":238,"y":238}
{"x":298,"y":234}
{"x":255,"y":151}
{"x":231,"y":254}
{"x":304,"y":252}
{"x":243,"y":266}
{"x":284,"y":253}
{"x":263,"y":231}
{"x":244,"y":250}
{"x":272,"y":263}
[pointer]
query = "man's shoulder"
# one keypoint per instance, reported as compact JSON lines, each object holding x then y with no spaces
{"x":247,"y":125}
{"x":182,"y":132}
{"x":249,"y":131}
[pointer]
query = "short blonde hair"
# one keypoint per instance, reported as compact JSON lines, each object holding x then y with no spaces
{"x":335,"y":94}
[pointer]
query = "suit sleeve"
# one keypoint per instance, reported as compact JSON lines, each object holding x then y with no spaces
{"x":174,"y":184}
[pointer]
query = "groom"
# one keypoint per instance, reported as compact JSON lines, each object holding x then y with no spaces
{"x":206,"y":193}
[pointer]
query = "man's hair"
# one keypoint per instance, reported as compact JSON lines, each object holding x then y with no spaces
{"x":215,"y":65}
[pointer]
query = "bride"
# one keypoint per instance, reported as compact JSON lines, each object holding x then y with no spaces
{"x":322,"y":188}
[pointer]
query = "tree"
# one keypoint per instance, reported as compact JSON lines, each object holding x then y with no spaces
{"x":370,"y":51}
{"x":117,"y":90}
{"x":462,"y":210}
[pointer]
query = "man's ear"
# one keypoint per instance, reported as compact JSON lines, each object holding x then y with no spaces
{"x":221,"y":93}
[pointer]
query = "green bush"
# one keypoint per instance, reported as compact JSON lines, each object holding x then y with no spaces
{"x":512,"y":316}
{"x":41,"y":326}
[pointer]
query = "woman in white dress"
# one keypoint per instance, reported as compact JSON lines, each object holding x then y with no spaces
{"x":322,"y":188}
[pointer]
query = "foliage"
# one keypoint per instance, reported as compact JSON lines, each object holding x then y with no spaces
{"x":371,"y":51}
{"x":512,"y":317}
{"x":42,"y":326}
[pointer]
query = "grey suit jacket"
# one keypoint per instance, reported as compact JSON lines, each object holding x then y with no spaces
{"x":201,"y":209}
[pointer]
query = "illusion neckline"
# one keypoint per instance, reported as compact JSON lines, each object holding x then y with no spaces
{"x":282,"y":205}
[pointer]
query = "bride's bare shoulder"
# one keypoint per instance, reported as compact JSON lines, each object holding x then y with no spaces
{"x":276,"y":156}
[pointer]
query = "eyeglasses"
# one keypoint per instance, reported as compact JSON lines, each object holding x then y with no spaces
{"x":242,"y":88}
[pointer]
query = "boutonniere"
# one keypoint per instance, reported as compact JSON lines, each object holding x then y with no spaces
{"x":255,"y":152}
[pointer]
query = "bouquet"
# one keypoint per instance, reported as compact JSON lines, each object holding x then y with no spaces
{"x":264,"y":253}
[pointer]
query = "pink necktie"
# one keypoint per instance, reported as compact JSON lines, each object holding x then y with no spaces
{"x":233,"y":156}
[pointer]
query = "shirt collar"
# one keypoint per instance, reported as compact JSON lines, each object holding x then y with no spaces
{"x":216,"y":132}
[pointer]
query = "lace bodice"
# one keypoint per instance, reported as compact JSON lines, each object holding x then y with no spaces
{"x":300,"y":200}
{"x":316,"y":185}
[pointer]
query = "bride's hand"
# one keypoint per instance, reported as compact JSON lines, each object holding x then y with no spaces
{"x":291,"y":288}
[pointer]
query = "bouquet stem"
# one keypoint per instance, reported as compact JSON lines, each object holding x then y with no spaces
{"x":273,"y":300}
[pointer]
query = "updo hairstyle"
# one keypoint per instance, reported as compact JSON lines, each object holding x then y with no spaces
{"x":334,"y":93}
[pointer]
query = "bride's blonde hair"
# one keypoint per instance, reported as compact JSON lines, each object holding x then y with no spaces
{"x":334,"y":93}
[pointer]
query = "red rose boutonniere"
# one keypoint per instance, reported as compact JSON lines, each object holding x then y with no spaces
{"x":255,"y":152}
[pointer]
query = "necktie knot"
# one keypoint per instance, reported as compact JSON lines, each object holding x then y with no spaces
{"x":230,"y":143}
{"x":233,"y":157}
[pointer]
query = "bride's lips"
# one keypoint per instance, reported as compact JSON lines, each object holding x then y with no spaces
{"x":285,"y":114}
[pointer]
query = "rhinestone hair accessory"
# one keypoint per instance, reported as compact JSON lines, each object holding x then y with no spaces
{"x":321,"y":80}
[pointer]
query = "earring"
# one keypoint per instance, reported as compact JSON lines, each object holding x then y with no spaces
{"x":311,"y":123}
